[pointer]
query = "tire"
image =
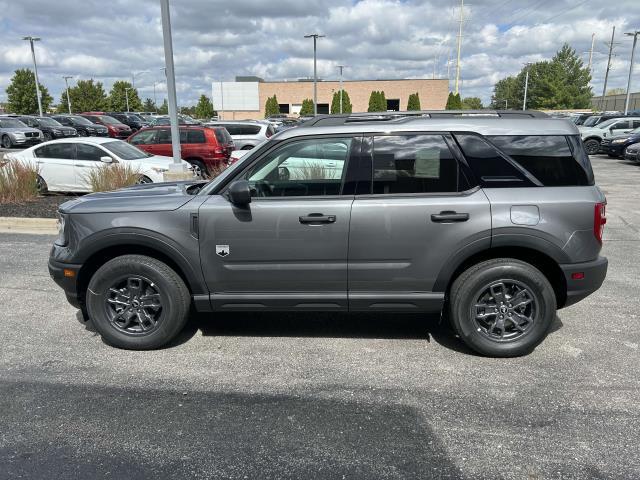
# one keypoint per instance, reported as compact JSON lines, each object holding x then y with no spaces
{"x":143,"y":180}
{"x":480,"y":285}
{"x":47,"y":136}
{"x":199,"y":169}
{"x":592,"y":146}
{"x":41,"y":185}
{"x":6,"y":141}
{"x":149,"y":281}
{"x":82,"y":133}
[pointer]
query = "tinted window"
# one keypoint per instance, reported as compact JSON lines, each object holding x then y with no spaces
{"x":64,"y":120}
{"x":414,"y":164}
{"x":163,"y":136}
{"x":144,"y":137}
{"x":488,"y":165}
{"x":195,"y":136}
{"x":302,"y":168}
{"x":548,"y":158}
{"x":56,"y":150}
{"x":29,"y":122}
{"x":222,"y":136}
{"x":249,"y":129}
{"x":125,"y":150}
{"x":89,"y":152}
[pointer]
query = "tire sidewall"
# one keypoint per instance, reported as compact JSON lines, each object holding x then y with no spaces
{"x":588,"y":142}
{"x":172,"y":317}
{"x":529,"y":276}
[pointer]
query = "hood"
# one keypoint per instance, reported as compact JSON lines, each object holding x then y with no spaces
{"x":151,"y":197}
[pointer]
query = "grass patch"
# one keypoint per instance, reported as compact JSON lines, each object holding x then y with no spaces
{"x":112,"y":177}
{"x":18,"y":182}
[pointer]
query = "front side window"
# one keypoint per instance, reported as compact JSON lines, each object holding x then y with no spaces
{"x":163,"y":136}
{"x":144,"y":137}
{"x":301,"y":168}
{"x":64,"y":151}
{"x":415,"y":164}
{"x":29,"y":122}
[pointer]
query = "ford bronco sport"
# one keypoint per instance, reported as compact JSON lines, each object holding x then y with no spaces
{"x":491,"y":218}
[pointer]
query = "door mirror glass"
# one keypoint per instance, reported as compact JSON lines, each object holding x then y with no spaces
{"x":106,"y":159}
{"x":240,"y":192}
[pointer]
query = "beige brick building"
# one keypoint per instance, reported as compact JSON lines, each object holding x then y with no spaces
{"x":246,"y":99}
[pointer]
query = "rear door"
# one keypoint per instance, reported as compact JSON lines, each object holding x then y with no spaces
{"x":288,"y":247}
{"x":55,"y":162}
{"x":163,"y":143}
{"x":418,"y":213}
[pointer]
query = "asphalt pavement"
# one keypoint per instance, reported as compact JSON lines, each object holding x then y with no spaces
{"x":302,"y":396}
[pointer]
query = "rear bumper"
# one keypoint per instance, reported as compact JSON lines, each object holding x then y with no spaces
{"x":68,"y":284}
{"x":594,"y":274}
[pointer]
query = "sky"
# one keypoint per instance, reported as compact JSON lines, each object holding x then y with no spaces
{"x":376,"y":39}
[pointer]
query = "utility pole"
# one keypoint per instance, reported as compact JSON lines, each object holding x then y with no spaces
{"x":35,"y":69}
{"x":66,"y":82}
{"x":341,"y":67}
{"x":633,"y":51}
{"x":593,"y":39}
{"x":606,"y":75}
{"x":459,"y":45}
{"x":526,"y":86}
{"x":126,"y":96}
{"x":171,"y":86}
{"x":315,"y":37}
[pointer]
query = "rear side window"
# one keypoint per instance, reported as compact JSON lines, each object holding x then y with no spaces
{"x":195,"y":136}
{"x":415,"y":164}
{"x":491,"y":168}
{"x":222,"y":136}
{"x":249,"y":129}
{"x":64,"y":151}
{"x":549,"y":158}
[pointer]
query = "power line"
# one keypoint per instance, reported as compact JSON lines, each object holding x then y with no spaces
{"x":572,"y":7}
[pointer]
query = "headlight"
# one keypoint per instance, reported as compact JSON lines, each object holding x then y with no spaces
{"x":619,"y":140}
{"x":56,"y":131}
{"x":159,"y":169}
{"x":18,"y":134}
{"x":62,"y":237}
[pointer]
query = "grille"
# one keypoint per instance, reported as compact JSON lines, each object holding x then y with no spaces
{"x":31,"y":134}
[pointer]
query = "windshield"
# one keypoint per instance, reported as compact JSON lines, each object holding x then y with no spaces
{"x":135,"y":118}
{"x":108,"y":120}
{"x":11,"y":123}
{"x":48,"y":122}
{"x":81,"y":121}
{"x":591,"y":121}
{"x":125,"y":151}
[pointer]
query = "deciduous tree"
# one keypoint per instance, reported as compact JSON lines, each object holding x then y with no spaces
{"x":21,"y":93}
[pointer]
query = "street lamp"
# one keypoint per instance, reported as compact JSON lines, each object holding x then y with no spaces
{"x":633,"y":51}
{"x":66,"y":82}
{"x":134,"y":75}
{"x":126,"y":96}
{"x":341,"y":67}
{"x":526,"y":86}
{"x":315,"y":37}
{"x":35,"y":69}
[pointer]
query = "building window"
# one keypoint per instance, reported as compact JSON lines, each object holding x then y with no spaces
{"x":284,"y":108}
{"x":323,"y":108}
{"x":393,"y":104}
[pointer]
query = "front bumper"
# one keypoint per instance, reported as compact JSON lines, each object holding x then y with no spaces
{"x":67,"y":283}
{"x":27,"y":141}
{"x":632,"y":155}
{"x":612,"y":148}
{"x":593,"y":272}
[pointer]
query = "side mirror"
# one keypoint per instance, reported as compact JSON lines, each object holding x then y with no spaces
{"x":240,"y":193}
{"x":106,"y":159}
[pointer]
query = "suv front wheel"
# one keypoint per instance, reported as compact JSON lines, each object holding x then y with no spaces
{"x":502,"y":307}
{"x":137,"y":302}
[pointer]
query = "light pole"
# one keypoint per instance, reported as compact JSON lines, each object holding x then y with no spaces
{"x":35,"y":69}
{"x":126,"y":96}
{"x":526,"y":86}
{"x":341,"y":67}
{"x":315,"y":37}
{"x":633,"y":51}
{"x":66,"y":82}
{"x":171,"y":86}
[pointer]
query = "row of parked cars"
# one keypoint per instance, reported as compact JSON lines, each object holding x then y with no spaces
{"x":611,"y":133}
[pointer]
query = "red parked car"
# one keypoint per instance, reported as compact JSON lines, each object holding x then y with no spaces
{"x":206,"y":148}
{"x":116,"y":128}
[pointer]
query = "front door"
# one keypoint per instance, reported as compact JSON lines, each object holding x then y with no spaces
{"x":420,"y":211}
{"x":288,"y":248}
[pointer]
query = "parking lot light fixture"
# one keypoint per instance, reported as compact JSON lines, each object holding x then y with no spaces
{"x":31,"y":39}
{"x":633,"y":51}
{"x":66,"y":82}
{"x":315,"y":37}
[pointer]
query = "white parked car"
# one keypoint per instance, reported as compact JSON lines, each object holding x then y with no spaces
{"x":246,"y":134}
{"x":63,"y":165}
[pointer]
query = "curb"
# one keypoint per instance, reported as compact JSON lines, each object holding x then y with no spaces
{"x":37,"y":226}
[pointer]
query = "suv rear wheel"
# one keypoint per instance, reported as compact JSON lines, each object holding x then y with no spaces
{"x":592,"y":146}
{"x":502,"y":307}
{"x":137,"y":302}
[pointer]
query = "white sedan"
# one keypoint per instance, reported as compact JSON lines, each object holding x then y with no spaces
{"x":63,"y":164}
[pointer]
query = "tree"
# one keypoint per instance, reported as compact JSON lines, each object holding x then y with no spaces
{"x":120,"y":90}
{"x":346,"y":102}
{"x":472,"y":103}
{"x":86,"y":96}
{"x":306,"y":108}
{"x":148,"y":105}
{"x":377,"y":102}
{"x":414,"y":102}
{"x":164,"y":108}
{"x":21,"y":93}
{"x":271,"y":107}
{"x":453,"y":102}
{"x":616,"y":91}
{"x":204,"y":108}
{"x":188,"y":110}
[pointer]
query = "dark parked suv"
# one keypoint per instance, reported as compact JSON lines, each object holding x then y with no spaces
{"x":493,"y":220}
{"x":49,"y":127}
{"x":84,"y":127}
{"x":131,"y":120}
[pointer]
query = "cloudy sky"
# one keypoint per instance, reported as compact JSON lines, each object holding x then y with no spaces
{"x":217,"y":40}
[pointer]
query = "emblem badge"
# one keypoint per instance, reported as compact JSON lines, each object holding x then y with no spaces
{"x":222,"y":250}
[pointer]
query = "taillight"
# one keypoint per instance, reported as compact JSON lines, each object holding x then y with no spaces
{"x":218,"y":150}
{"x":599,"y":220}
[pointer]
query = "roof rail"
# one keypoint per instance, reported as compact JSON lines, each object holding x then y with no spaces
{"x":341,"y":119}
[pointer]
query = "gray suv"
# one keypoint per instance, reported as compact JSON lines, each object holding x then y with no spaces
{"x":493,"y":220}
{"x":245,"y":134}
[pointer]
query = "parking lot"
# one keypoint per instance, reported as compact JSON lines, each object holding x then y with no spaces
{"x":337,"y":396}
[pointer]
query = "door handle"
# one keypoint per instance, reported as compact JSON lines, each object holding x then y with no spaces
{"x":317,"y":218}
{"x":449,"y":217}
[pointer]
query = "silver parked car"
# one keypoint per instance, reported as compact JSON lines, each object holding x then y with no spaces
{"x":15,"y":133}
{"x":246,"y":134}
